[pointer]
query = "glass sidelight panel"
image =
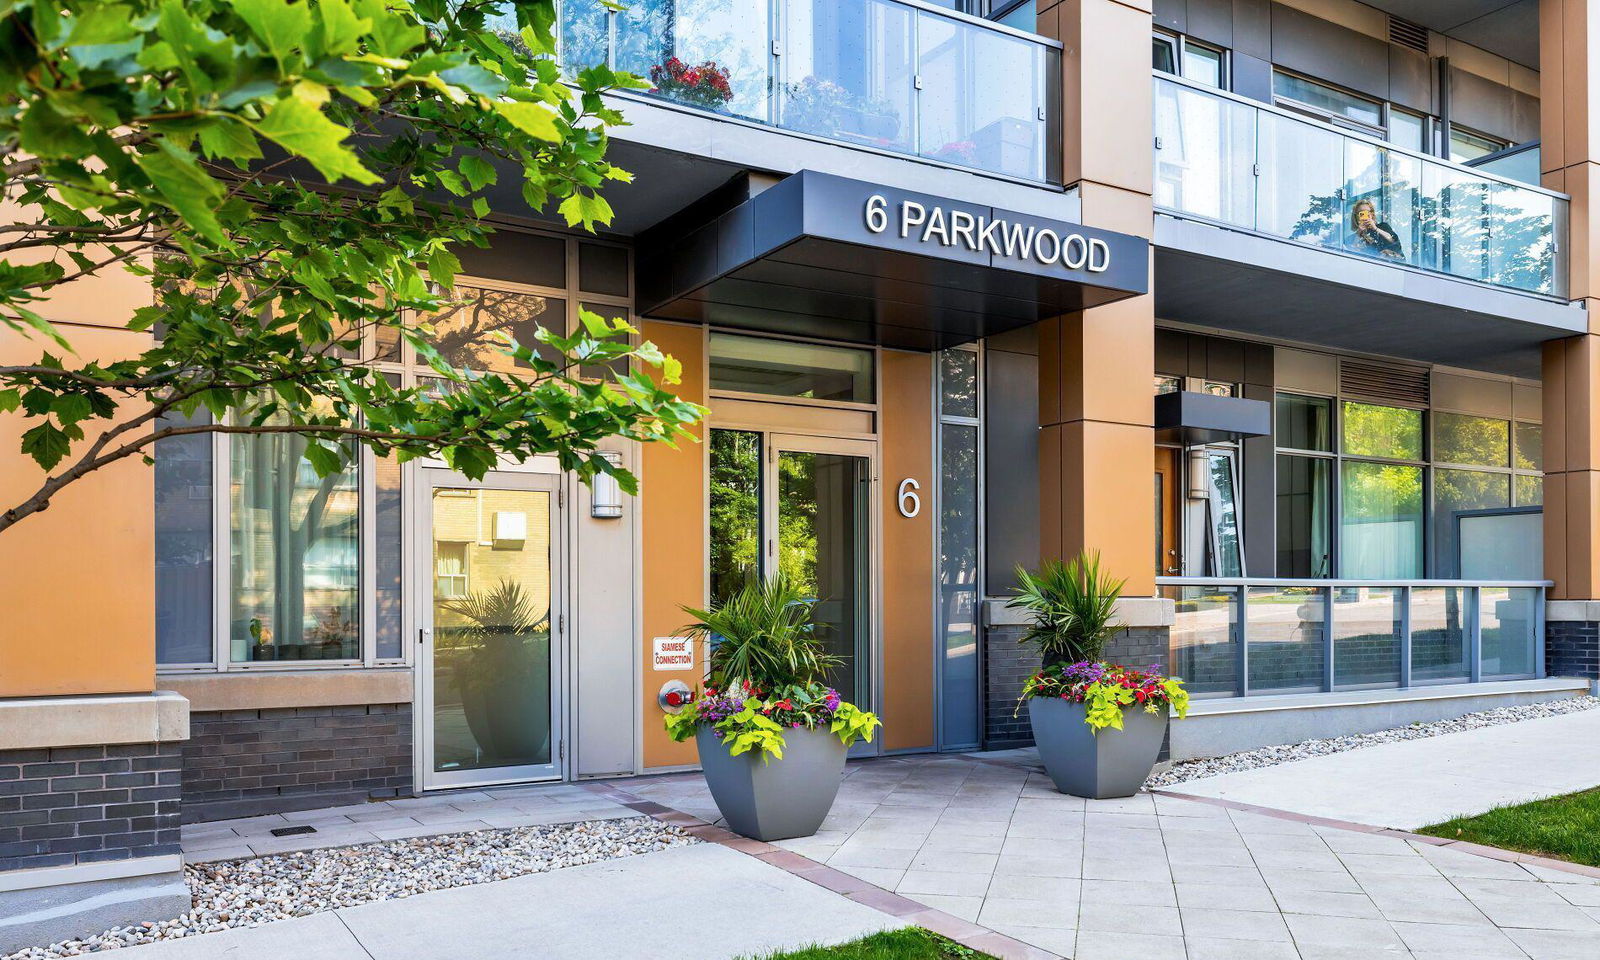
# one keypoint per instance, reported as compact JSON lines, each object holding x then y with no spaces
{"x":493,"y":585}
{"x":823,"y":513}
{"x":735,"y":511}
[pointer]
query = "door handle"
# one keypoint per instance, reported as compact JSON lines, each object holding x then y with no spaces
{"x":424,"y":635}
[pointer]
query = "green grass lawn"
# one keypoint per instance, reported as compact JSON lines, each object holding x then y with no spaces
{"x":910,"y":943}
{"x":1567,"y":828}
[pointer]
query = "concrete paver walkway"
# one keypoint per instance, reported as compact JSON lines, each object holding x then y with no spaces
{"x":704,"y":901}
{"x":455,"y":812}
{"x":1160,"y":877}
{"x":1416,"y":783}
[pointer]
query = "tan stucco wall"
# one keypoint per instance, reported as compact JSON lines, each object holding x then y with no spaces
{"x":79,"y":585}
{"x":672,"y":498}
{"x":908,"y":551}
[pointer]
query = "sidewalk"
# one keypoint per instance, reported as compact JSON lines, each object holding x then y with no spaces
{"x":1416,"y":783}
{"x":705,"y":902}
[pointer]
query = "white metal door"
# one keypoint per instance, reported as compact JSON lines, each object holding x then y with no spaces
{"x":489,"y":627}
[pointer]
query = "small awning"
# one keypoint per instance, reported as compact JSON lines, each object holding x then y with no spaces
{"x":826,"y":256}
{"x":1192,"y":418}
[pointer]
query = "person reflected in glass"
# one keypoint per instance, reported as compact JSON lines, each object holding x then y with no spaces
{"x":1371,"y":237}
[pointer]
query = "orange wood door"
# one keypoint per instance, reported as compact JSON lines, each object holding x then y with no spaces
{"x":1169,"y":558}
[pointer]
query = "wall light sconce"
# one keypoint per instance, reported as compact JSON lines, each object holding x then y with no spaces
{"x":605,"y":497}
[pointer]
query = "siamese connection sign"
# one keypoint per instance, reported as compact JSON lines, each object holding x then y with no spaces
{"x":929,"y":223}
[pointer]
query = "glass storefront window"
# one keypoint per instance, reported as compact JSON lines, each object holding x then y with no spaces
{"x":1304,"y":423}
{"x":1530,"y":446}
{"x":1454,"y":492}
{"x":1380,"y":527}
{"x":295,"y":550}
{"x":470,"y":331}
{"x":1305,"y":515}
{"x":735,"y":511}
{"x":1371,"y":430}
{"x":183,"y":546}
{"x":1481,"y":441}
{"x":958,"y":383}
{"x":786,"y":368}
{"x":1530,"y":490}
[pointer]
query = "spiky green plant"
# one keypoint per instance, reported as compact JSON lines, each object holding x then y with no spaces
{"x":1073,"y":606}
{"x":506,"y":611}
{"x":763,"y":633}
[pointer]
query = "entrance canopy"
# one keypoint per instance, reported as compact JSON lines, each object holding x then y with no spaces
{"x":826,"y":256}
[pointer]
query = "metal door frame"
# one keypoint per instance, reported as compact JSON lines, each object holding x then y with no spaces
{"x":775,"y":443}
{"x":419,"y":565}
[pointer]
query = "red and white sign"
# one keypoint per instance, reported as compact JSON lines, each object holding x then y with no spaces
{"x":672,"y":653}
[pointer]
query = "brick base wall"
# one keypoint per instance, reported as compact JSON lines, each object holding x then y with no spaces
{"x":245,"y":763}
{"x":1572,"y":649}
{"x":1007,"y":663}
{"x":72,"y":805}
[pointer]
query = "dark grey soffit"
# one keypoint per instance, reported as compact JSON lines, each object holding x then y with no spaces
{"x":1214,"y":277}
{"x":800,"y":258}
{"x":1190,"y":417}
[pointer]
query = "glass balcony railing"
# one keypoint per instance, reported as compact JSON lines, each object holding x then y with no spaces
{"x":882,"y":74}
{"x":1244,"y":164}
{"x":1237,"y":637}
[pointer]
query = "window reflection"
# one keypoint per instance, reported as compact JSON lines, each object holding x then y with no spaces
{"x":1477,"y":440}
{"x":1370,"y":430}
{"x":1380,"y":528}
{"x":470,"y":331}
{"x":735,"y":511}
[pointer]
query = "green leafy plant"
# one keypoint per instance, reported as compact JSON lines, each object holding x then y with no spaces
{"x":1073,"y":606}
{"x":765,"y":674}
{"x":292,"y":182}
{"x":763,"y":634}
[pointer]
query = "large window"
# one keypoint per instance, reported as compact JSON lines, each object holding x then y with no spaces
{"x":1377,"y":491}
{"x":1181,"y":56}
{"x":788,"y":368}
{"x":261,"y":562}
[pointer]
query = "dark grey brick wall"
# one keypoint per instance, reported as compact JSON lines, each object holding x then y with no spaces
{"x":1572,"y":649}
{"x":70,"y":805}
{"x":1008,"y":663}
{"x":244,"y":763}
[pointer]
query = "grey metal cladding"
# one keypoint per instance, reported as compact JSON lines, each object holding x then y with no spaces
{"x":1328,"y":51}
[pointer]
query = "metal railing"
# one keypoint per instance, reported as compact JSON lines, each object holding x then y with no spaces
{"x":1251,"y":166}
{"x":899,"y":76}
{"x":1244,"y":637}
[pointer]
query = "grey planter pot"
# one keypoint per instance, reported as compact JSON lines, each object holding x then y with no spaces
{"x":780,"y":799}
{"x":1111,"y":763}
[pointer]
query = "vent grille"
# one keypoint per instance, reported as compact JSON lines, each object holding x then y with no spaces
{"x":1389,"y":383}
{"x":1404,"y":33}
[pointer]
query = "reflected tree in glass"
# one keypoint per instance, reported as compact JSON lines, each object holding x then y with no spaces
{"x":735,"y":511}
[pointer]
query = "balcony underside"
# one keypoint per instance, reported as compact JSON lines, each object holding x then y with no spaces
{"x":1231,"y":280}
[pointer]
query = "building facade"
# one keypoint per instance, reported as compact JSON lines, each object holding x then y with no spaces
{"x":1287,"y":318}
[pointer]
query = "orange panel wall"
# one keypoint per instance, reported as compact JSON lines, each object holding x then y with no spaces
{"x":78,"y":593}
{"x":672,"y":492}
{"x":908,"y":551}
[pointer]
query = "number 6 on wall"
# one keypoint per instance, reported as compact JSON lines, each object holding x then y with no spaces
{"x":910,"y":503}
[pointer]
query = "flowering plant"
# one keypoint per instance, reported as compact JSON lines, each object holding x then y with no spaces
{"x":1106,"y":690}
{"x":746,"y":718}
{"x":764,"y":673}
{"x":705,"y":85}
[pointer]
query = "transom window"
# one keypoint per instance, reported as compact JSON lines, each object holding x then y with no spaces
{"x":789,"y":368}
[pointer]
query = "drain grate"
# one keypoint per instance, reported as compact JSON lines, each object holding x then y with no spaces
{"x":293,"y":831}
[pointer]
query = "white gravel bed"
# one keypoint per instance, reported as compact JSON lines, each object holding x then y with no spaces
{"x":1272,"y":756}
{"x":250,"y":892}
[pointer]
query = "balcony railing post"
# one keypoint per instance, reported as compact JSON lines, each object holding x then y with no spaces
{"x":1327,"y":639}
{"x":1405,"y":637}
{"x":1475,"y":633}
{"x":1243,"y":595}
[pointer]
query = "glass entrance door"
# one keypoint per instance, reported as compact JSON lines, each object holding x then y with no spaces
{"x":821,"y":534}
{"x":802,"y":505}
{"x":487,"y":654}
